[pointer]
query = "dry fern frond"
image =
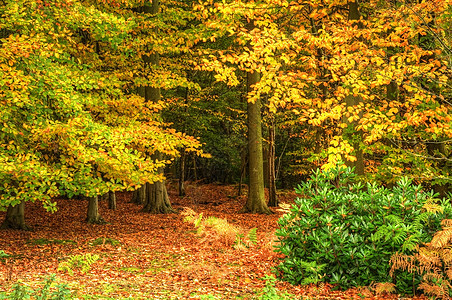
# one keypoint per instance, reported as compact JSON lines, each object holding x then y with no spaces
{"x":364,"y":291}
{"x":188,"y":212}
{"x":448,"y":272}
{"x":446,"y":256}
{"x":402,"y":261}
{"x":383,"y":288}
{"x":442,"y":238}
{"x":433,"y":262}
{"x":224,"y":230}
{"x":446,"y":223}
{"x":212,"y":229}
{"x":284,"y":207}
{"x":433,"y":290}
{"x":427,"y":260}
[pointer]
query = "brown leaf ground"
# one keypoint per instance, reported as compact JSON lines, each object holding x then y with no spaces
{"x":158,"y":256}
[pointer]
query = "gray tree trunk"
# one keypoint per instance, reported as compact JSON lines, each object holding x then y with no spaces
{"x":182,"y":174}
{"x":111,"y":200}
{"x":156,"y":197}
{"x":256,"y":202}
{"x":15,"y":218}
{"x":139,"y":195}
{"x":272,"y":197}
{"x":353,"y":101}
{"x":93,"y":216}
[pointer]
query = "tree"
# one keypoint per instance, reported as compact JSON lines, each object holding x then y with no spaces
{"x":256,"y":202}
{"x":156,"y":199}
{"x":69,"y":127}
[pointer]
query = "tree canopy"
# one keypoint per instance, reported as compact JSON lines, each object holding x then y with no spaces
{"x":366,"y":83}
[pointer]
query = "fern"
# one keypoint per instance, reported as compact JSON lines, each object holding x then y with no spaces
{"x":383,"y":288}
{"x":79,"y":261}
{"x":432,"y":261}
{"x":393,"y":219}
{"x":442,"y":238}
{"x":422,"y":218}
{"x":213,"y":228}
{"x":312,"y":272}
{"x":189,"y":214}
{"x":410,"y":243}
{"x":382,"y":233}
{"x":432,"y":207}
{"x":198,"y":220}
{"x":252,"y":235}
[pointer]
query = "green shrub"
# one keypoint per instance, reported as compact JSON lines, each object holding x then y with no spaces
{"x":344,"y":232}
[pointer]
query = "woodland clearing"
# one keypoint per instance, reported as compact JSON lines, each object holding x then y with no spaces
{"x":145,"y":256}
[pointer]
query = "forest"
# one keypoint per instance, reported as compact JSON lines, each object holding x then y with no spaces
{"x":264,"y":149}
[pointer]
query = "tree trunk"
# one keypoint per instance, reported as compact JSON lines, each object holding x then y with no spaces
{"x":435,"y":148}
{"x":112,"y":200}
{"x":438,"y":149}
{"x":243,"y":164}
{"x":195,"y":168}
{"x":353,"y":101}
{"x":139,"y":195}
{"x":182,"y":174}
{"x":256,"y":202}
{"x":93,"y":216}
{"x":358,"y":164}
{"x":156,"y":200}
{"x":272,"y":197}
{"x":15,"y":218}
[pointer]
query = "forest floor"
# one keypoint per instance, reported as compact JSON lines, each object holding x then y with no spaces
{"x":143,"y":256}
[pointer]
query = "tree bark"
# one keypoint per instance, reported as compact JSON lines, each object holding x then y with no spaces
{"x":182,"y":174}
{"x":112,"y":200}
{"x":139,"y":195}
{"x":272,"y":197}
{"x":93,"y":216}
{"x":353,"y":101}
{"x":243,"y":164}
{"x":156,"y":200}
{"x":256,"y":202}
{"x":15,"y":218}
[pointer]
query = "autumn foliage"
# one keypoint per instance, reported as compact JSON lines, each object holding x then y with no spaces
{"x":99,"y":97}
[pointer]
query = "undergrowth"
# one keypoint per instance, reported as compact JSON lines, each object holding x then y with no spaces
{"x":80,"y":262}
{"x":213,"y":228}
{"x":47,"y":290}
{"x":433,"y":261}
{"x":344,"y":232}
{"x":45,"y":241}
{"x":104,"y":241}
{"x":269,"y":292}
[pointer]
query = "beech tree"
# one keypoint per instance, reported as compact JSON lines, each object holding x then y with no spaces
{"x":69,"y":127}
{"x":318,"y":57}
{"x":82,"y":89}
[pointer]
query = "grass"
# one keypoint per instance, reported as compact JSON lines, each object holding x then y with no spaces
{"x":104,"y":241}
{"x":45,"y":241}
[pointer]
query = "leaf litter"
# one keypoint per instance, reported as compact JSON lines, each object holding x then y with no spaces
{"x":144,"y":256}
